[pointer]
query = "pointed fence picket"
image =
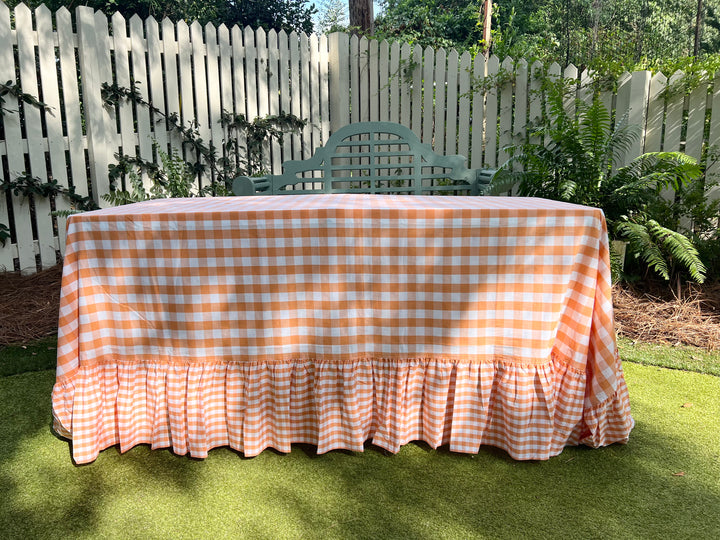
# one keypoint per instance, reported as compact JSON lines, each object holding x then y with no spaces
{"x":262,"y":80}
{"x":655,"y":114}
{"x":440,"y":103}
{"x":570,"y":73}
{"x":214,"y":98}
{"x":353,"y":105}
{"x":14,"y":152}
{"x":124,"y":109}
{"x":383,"y":93}
{"x":535,"y":97}
{"x":172,"y":86}
{"x":274,"y":89}
{"x":428,"y":95}
{"x":324,"y":82}
{"x":416,"y":98}
{"x":314,"y":112}
{"x":58,"y":167}
{"x":505,"y":119}
{"x":451,"y":113}
{"x":464,"y":105}
{"x":491,"y":114}
{"x":395,"y":96}
{"x":294,"y":91}
{"x":477,"y":124}
{"x":285,"y":101}
{"x":26,"y":37}
{"x":475,"y":107}
{"x":155,"y":80}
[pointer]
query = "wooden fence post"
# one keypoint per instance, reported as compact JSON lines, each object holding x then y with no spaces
{"x":33,"y":132}
{"x":478,"y":113}
{"x":639,"y":94}
{"x":97,"y":119}
{"x":15,"y":162}
{"x":713,"y":167}
{"x":53,"y":121}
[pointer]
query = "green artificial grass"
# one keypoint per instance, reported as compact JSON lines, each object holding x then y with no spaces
{"x":674,"y":357}
{"x":664,"y":484}
{"x":36,"y":356}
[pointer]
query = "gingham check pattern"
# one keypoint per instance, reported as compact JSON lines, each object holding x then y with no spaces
{"x":333,"y":319}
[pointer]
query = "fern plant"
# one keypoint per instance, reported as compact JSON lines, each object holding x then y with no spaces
{"x":660,"y":247}
{"x":581,"y":163}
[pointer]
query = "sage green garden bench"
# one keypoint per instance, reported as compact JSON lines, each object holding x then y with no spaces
{"x":371,"y":157}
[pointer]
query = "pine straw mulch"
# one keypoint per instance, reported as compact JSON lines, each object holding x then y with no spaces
{"x":29,"y":305}
{"x":654,"y":313}
{"x":651,"y":313}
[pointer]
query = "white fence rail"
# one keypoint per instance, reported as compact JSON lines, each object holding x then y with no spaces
{"x":197,"y":72}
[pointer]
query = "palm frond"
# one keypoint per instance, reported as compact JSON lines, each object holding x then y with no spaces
{"x":567,"y":189}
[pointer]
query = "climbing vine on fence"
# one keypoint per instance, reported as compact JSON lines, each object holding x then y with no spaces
{"x":222,"y":164}
{"x":242,"y":153}
{"x":8,"y":88}
{"x":25,"y":184}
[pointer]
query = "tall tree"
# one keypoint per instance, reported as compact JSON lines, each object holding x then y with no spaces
{"x":333,"y":17}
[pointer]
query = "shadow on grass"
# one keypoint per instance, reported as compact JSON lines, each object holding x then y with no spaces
{"x":621,"y":491}
{"x":614,"y":492}
{"x":44,"y":493}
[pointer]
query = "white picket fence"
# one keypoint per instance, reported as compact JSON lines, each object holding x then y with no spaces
{"x":197,"y":72}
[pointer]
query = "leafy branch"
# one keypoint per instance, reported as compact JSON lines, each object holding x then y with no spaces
{"x":175,"y":178}
{"x":26,"y":185}
{"x":4,"y":234}
{"x":660,"y":247}
{"x":11,"y":89}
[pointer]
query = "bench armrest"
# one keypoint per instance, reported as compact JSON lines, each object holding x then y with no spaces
{"x":483,"y":178}
{"x":244,"y":185}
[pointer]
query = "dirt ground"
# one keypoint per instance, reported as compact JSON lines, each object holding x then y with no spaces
{"x":651,"y":313}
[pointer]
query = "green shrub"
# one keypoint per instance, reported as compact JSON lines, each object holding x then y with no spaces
{"x":581,"y":163}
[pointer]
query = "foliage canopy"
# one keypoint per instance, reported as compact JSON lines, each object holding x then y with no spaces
{"x":606,"y":35}
{"x":285,"y":15}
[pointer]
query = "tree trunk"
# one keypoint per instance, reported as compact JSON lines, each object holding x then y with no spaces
{"x":361,"y":15}
{"x":487,"y":26}
{"x":596,"y":11}
{"x":698,"y":28}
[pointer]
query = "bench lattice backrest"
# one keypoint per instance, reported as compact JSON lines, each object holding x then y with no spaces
{"x":372,"y":157}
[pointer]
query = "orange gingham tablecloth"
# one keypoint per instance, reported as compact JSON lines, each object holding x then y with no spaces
{"x":256,"y":322}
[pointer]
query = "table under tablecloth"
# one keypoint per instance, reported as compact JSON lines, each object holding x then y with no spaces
{"x":256,"y":322}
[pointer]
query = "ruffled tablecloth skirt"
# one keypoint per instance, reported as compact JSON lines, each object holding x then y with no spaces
{"x":532,"y":412}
